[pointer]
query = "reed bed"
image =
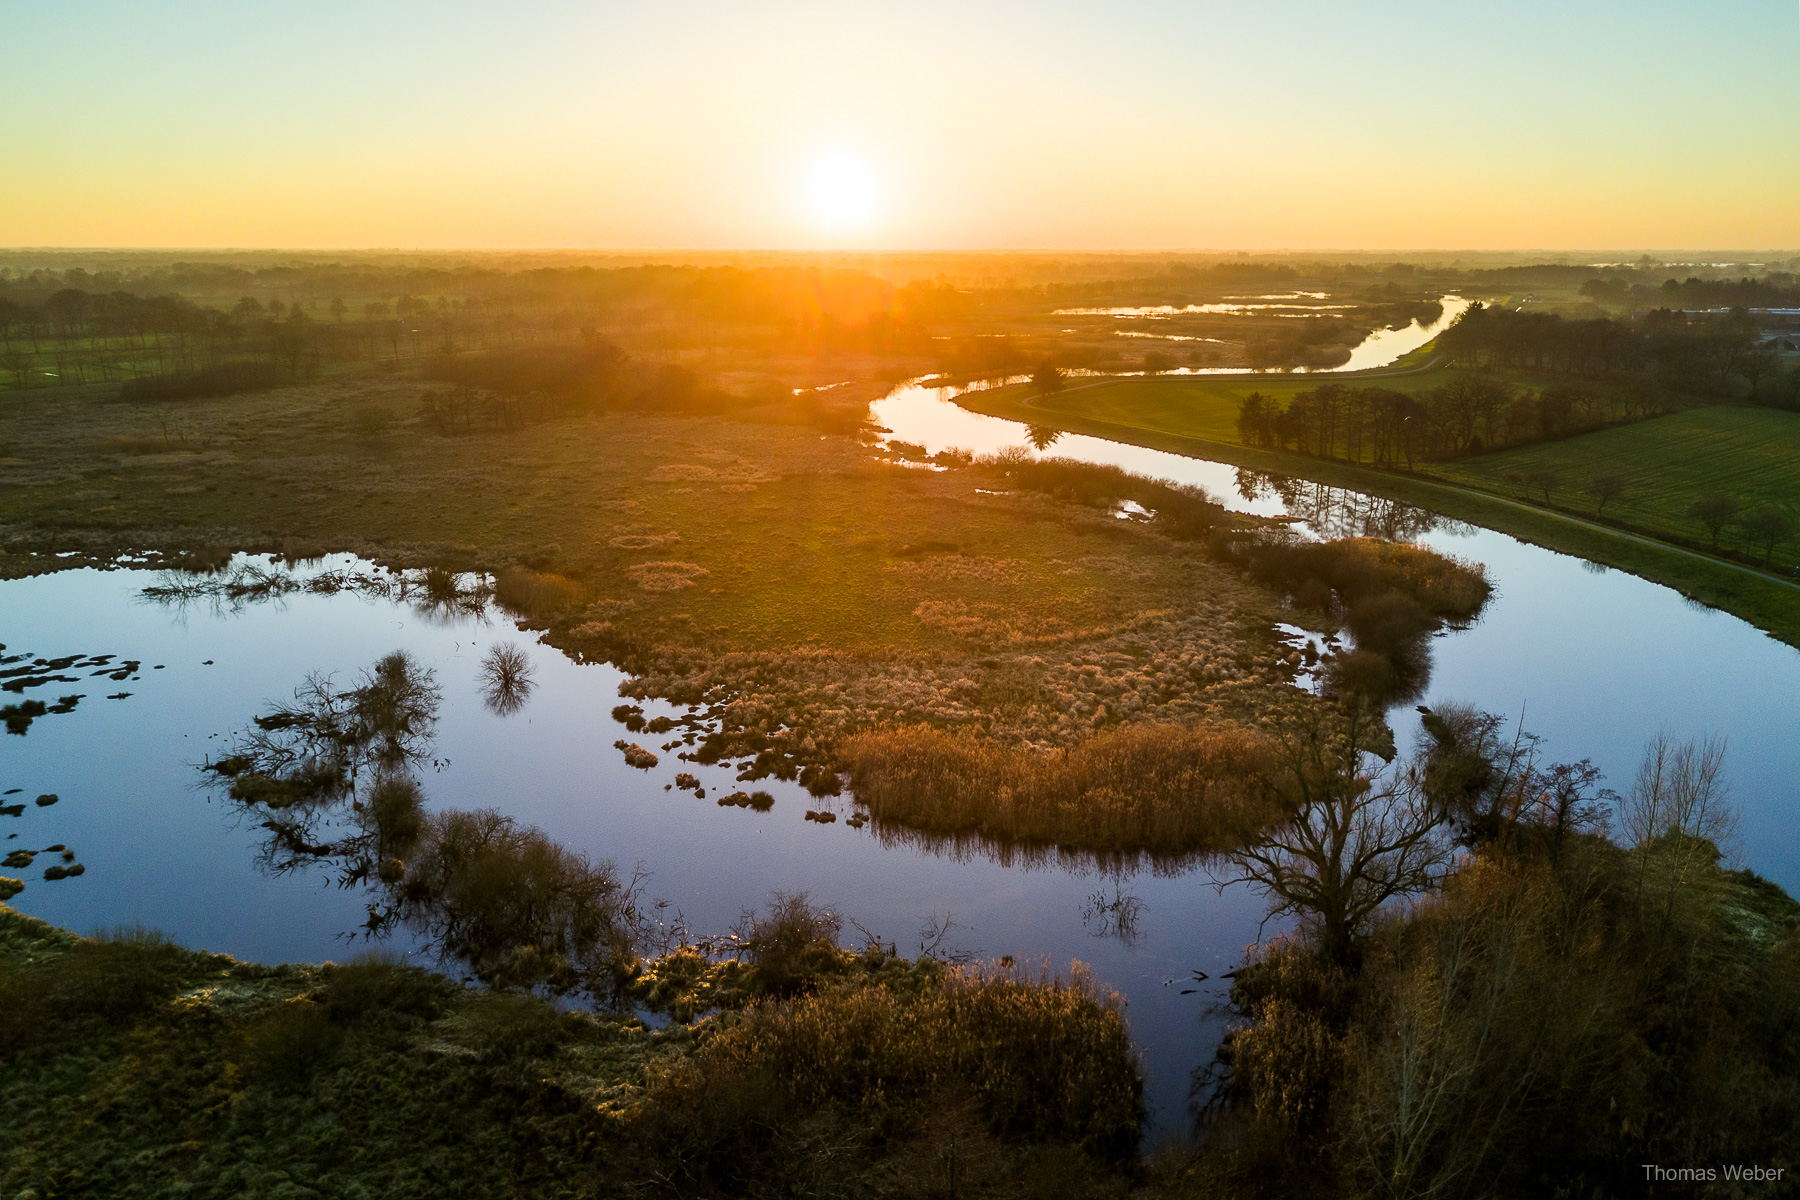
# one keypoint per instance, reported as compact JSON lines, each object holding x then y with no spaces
{"x":1042,"y":1059}
{"x":538,"y":593}
{"x":1167,"y":791}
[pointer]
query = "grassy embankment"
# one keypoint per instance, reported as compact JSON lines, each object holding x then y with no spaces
{"x":137,"y":1068}
{"x":1198,"y":416}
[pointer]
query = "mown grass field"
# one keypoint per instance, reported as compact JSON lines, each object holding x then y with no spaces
{"x":1668,"y":463}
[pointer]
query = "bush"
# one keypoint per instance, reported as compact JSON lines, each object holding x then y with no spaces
{"x":382,"y":984}
{"x":790,"y":945}
{"x":1036,"y":1060}
{"x":290,"y":1042}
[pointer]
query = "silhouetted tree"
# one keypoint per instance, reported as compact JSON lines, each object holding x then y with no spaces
{"x":1605,"y":487}
{"x":1715,"y":512}
{"x":1361,"y":833}
{"x":1767,"y":527}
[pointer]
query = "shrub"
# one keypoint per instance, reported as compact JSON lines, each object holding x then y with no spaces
{"x":790,"y":944}
{"x":383,"y":984}
{"x":1042,"y":1060}
{"x":290,"y":1042}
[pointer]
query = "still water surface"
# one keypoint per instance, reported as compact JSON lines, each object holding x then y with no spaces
{"x":1597,"y":661}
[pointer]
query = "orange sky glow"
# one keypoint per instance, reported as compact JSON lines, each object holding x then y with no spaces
{"x":1145,"y":124}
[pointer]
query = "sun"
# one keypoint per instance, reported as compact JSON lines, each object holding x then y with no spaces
{"x":842,"y":193}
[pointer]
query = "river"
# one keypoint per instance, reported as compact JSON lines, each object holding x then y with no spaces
{"x":1596,"y":660}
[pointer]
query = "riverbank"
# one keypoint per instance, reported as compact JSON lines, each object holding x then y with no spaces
{"x":1769,"y":603}
{"x":138,"y":1068}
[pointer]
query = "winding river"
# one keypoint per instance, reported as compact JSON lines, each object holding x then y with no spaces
{"x":1596,"y":660}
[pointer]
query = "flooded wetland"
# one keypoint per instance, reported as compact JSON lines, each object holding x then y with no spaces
{"x":560,"y":741}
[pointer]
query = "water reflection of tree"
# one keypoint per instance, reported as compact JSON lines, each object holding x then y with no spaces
{"x":1042,"y":437}
{"x":332,"y":780}
{"x":432,"y":593}
{"x":1340,"y":512}
{"x":506,"y":682}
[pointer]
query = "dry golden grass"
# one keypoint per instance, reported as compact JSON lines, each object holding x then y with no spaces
{"x":1166,"y":790}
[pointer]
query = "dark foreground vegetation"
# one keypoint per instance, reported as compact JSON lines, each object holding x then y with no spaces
{"x":136,"y":1068}
{"x":1484,"y":994}
{"x":1556,"y":1012}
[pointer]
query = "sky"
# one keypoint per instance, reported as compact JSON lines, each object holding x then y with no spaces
{"x":915,"y":124}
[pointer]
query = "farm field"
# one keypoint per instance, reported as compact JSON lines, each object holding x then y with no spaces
{"x":1667,"y":464}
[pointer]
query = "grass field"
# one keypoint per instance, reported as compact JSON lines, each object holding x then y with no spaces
{"x":1204,"y":406}
{"x":1197,"y":416}
{"x":1667,"y":464}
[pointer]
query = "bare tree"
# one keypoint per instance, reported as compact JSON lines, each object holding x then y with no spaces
{"x":1362,"y":833}
{"x":1715,"y":512}
{"x":1680,"y":788}
{"x":1767,"y":527}
{"x":1606,"y":487}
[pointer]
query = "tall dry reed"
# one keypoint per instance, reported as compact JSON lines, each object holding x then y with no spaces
{"x":1164,"y":790}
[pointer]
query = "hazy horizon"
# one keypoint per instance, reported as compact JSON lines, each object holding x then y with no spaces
{"x":795,"y":124}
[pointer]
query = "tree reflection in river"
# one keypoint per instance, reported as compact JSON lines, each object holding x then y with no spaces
{"x":1340,"y":512}
{"x":433,"y":592}
{"x":333,"y":781}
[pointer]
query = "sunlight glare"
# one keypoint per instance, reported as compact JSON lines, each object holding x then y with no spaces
{"x":841,"y":193}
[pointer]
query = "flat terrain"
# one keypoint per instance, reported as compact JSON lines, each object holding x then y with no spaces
{"x":1203,"y":406}
{"x":769,"y":558}
{"x":1198,"y":416}
{"x":1667,"y":464}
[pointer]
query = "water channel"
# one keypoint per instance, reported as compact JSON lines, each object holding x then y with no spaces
{"x":1596,"y":660}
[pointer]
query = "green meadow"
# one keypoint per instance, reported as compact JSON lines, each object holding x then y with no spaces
{"x":1667,"y":464}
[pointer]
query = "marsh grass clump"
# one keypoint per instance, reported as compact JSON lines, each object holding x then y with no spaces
{"x":635,"y":755}
{"x":532,"y":593}
{"x":382,"y":985}
{"x":665,"y":576}
{"x":1181,"y":510}
{"x":1168,"y":791}
{"x":508,"y":1026}
{"x":1028,"y":1061}
{"x":288,"y":1044}
{"x":1362,"y":569}
{"x":116,"y":975}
